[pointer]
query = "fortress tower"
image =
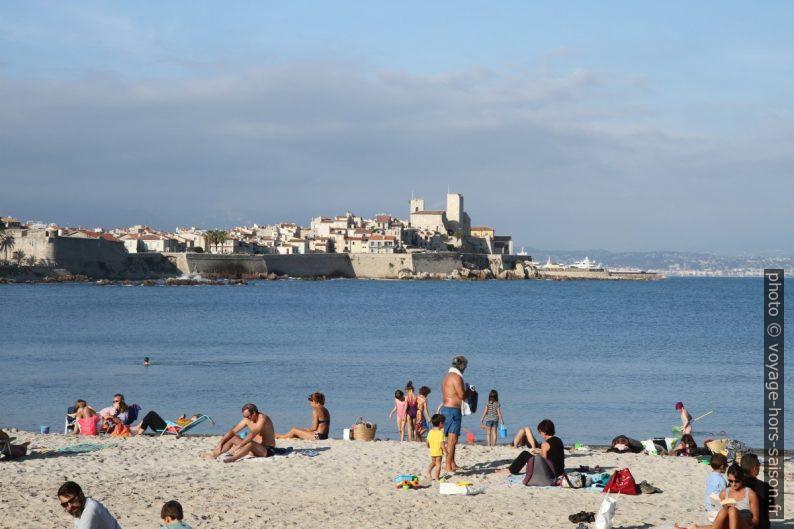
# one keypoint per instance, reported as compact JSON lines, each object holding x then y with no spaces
{"x":417,"y":204}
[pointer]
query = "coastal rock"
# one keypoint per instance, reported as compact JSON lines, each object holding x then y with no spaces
{"x":520,"y":272}
{"x":465,"y":273}
{"x":271,"y":276}
{"x":405,"y":274}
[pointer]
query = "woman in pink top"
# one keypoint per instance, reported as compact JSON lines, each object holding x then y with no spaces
{"x":399,"y":407}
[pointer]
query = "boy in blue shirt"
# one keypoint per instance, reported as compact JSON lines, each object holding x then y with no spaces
{"x":715,"y":483}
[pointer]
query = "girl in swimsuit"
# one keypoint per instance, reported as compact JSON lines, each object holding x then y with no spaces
{"x":410,"y":410}
{"x":399,"y":407}
{"x":321,"y":422}
{"x":422,"y":415}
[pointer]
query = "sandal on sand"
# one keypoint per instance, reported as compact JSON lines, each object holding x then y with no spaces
{"x":647,"y":488}
{"x":582,"y":516}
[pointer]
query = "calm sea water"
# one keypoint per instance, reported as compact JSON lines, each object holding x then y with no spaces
{"x":598,"y":358}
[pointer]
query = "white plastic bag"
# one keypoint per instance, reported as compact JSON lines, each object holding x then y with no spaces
{"x":606,"y":513}
{"x":454,"y":488}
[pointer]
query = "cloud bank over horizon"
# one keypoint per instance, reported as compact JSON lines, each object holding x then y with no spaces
{"x":554,"y":150}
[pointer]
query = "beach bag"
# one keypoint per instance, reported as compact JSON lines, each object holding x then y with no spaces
{"x":574,"y":480}
{"x":363,"y":430}
{"x":121,"y":430}
{"x":606,"y":513}
{"x":622,"y":482}
{"x":735,"y":450}
{"x":540,"y":473}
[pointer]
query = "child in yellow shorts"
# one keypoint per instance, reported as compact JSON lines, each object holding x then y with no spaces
{"x":436,"y":442}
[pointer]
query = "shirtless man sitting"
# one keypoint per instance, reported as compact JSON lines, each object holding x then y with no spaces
{"x":453,"y":391}
{"x":260,"y":441}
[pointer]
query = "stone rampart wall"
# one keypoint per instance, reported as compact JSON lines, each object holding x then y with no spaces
{"x":381,"y":266}
{"x":96,"y":258}
{"x":222,"y":265}
{"x":310,"y":265}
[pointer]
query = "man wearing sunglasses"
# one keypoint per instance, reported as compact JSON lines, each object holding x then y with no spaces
{"x":88,"y":513}
{"x":260,"y":441}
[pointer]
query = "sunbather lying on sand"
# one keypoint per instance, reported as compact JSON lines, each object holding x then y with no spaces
{"x":11,"y":451}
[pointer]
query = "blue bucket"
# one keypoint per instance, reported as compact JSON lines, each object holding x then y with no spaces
{"x":503,"y":431}
{"x":44,"y":428}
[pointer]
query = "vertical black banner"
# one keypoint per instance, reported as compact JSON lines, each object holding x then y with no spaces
{"x":773,"y":390}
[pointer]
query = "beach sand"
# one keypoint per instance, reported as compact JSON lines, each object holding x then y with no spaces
{"x":348,"y":484}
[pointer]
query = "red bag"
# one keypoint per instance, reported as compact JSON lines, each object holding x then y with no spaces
{"x":622,"y":482}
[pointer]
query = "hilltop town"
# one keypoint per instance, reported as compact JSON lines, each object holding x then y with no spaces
{"x":428,"y":244}
{"x":422,"y":231}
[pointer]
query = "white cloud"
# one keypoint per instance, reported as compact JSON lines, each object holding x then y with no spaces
{"x":558,"y":161}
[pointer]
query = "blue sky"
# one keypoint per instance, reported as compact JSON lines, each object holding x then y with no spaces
{"x":617,"y":125}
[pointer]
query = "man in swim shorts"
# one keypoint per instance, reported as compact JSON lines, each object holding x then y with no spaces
{"x":452,"y":393}
{"x":260,"y":441}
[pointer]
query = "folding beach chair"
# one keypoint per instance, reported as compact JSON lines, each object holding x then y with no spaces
{"x":68,"y":423}
{"x":175,"y":429}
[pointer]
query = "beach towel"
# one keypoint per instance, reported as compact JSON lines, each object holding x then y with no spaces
{"x":82,"y":448}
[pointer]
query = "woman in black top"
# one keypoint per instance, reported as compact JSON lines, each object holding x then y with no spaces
{"x":550,"y":449}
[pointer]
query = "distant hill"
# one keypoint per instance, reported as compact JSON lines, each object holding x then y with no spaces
{"x":667,"y":261}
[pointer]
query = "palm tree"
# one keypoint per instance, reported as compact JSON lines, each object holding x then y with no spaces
{"x":7,"y":242}
{"x":30,"y":260}
{"x":215,"y":237}
{"x":18,"y":256}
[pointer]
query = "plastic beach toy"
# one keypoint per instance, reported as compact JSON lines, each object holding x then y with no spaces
{"x":44,"y":428}
{"x":502,"y":431}
{"x":407,"y":481}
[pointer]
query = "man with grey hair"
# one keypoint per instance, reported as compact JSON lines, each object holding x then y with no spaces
{"x":453,"y":391}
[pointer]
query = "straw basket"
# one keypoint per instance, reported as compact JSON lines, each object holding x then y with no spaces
{"x":364,"y":431}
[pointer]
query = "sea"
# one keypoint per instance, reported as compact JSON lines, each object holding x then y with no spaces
{"x":598,"y":358}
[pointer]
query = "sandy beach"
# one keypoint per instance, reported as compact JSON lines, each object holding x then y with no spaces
{"x":346,"y":484}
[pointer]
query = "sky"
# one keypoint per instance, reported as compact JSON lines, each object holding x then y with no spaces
{"x":627,"y":126}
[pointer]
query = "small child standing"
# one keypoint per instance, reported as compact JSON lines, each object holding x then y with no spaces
{"x":171,"y":514}
{"x":491,"y":418}
{"x":715,"y":483}
{"x":399,"y":407}
{"x":436,"y":442}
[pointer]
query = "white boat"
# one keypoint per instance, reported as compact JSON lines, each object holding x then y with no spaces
{"x":587,"y":264}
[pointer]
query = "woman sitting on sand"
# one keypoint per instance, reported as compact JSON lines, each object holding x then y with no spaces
{"x":551,"y":449}
{"x":321,"y":422}
{"x":685,"y":447}
{"x":739,"y":504}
